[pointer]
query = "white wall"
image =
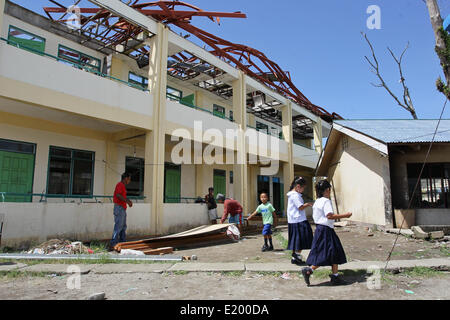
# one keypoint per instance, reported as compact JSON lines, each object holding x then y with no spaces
{"x":182,"y":217}
{"x":38,"y":222}
{"x":360,"y":176}
{"x":305,"y":157}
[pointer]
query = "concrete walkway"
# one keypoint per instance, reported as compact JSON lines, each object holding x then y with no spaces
{"x":438,"y":264}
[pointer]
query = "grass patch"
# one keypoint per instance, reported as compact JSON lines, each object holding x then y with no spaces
{"x":321,"y":274}
{"x":14,"y":274}
{"x":98,"y":247}
{"x":270,"y":273}
{"x":421,"y":272}
{"x":233,"y":273}
{"x":282,"y":240}
{"x":444,"y":251}
{"x":105,"y":259}
{"x":178,"y":272}
{"x":387,"y":279}
{"x":7,"y":250}
{"x":396,"y":253}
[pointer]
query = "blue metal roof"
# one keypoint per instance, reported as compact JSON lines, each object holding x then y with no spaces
{"x":400,"y":131}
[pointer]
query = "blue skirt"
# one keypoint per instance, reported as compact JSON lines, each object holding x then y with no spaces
{"x":326,"y":248}
{"x":300,"y":236}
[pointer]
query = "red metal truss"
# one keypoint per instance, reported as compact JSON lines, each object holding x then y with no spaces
{"x":252,"y":62}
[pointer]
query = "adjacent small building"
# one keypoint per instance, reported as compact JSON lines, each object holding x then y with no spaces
{"x":374,"y":166}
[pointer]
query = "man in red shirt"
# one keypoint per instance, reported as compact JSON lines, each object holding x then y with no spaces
{"x":120,"y":210}
{"x":231,"y":207}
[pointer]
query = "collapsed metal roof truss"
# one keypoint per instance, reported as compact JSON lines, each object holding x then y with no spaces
{"x":103,"y":26}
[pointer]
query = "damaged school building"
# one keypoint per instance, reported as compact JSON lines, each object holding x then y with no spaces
{"x":374,"y":166}
{"x":82,"y":101}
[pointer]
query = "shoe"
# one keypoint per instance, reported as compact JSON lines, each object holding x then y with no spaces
{"x":297,"y":262}
{"x":296,"y":259}
{"x":264,"y":248}
{"x":307,"y":272}
{"x":337,"y":280}
{"x":270,"y":248}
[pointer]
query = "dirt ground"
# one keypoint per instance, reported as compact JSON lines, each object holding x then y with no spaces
{"x":357,"y":243}
{"x":217,"y":286}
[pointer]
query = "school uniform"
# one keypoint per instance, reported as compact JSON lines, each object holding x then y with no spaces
{"x":326,"y":247}
{"x":299,"y":230}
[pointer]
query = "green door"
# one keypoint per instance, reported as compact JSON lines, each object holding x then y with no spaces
{"x":16,"y":175}
{"x":172,"y":184}
{"x":220,"y":182}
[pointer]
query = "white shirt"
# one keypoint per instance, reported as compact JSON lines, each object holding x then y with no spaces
{"x":295,"y":201}
{"x":322,"y":207}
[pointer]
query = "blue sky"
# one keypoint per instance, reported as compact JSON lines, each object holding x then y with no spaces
{"x":320,"y":43}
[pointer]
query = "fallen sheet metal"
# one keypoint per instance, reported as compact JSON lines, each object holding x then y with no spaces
{"x":198,"y":236}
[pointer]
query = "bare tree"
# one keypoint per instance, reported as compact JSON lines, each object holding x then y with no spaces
{"x":407,"y":102}
{"x":442,"y":45}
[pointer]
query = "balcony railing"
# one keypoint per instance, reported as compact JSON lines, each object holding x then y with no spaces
{"x":197,"y":200}
{"x":78,"y":66}
{"x":187,"y":104}
{"x":27,"y":197}
{"x":303,"y":145}
{"x":270,"y":133}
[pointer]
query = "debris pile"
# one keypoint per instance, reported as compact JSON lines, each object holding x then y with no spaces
{"x":204,"y":235}
{"x":417,"y":233}
{"x":56,"y":246}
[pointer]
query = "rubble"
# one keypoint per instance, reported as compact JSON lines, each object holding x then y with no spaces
{"x":97,"y":296}
{"x":419,"y":233}
{"x":437,"y":234}
{"x":57,"y":246}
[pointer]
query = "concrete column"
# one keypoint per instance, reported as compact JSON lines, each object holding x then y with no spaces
{"x":112,"y":174}
{"x":2,"y":9}
{"x":253,"y":171}
{"x":252,"y":120}
{"x":318,"y":136}
{"x":155,"y":140}
{"x":117,"y":68}
{"x":240,"y":169}
{"x":199,"y":188}
{"x":199,"y":99}
{"x":288,"y":167}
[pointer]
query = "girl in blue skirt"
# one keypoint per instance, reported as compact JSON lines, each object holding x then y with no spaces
{"x":326,"y":247}
{"x":299,"y":229}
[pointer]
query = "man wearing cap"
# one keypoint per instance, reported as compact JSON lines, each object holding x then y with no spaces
{"x":232,"y":208}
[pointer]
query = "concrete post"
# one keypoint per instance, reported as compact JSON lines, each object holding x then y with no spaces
{"x":199,"y":188}
{"x":2,"y":10}
{"x":240,"y":169}
{"x":112,"y":174}
{"x":288,"y":167}
{"x":318,"y":136}
{"x":155,"y":140}
{"x":117,"y":68}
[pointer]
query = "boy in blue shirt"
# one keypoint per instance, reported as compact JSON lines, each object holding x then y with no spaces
{"x":268,"y":214}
